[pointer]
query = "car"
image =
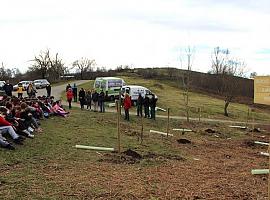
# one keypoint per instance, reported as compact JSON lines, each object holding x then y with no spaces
{"x":2,"y":83}
{"x":41,"y":83}
{"x":24,"y":84}
{"x":134,"y":91}
{"x":2,"y":92}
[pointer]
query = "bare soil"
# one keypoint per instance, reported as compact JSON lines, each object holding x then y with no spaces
{"x":212,"y":168}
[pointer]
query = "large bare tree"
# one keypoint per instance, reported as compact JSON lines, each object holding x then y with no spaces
{"x":48,"y":66}
{"x":84,"y":65}
{"x":227,"y":69}
{"x":41,"y":63}
{"x":57,"y":68}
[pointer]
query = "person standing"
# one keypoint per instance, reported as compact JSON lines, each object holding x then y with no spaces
{"x":31,"y":91}
{"x":127,"y":106}
{"x":75,"y":93}
{"x":88,"y":98}
{"x":48,"y":89}
{"x":101,"y":99}
{"x":20,"y":90}
{"x":152,"y":104}
{"x":68,"y":86}
{"x":82,"y":97}
{"x":139,"y":105}
{"x":95,"y":100}
{"x":8,"y":88}
{"x":146,"y":106}
{"x":69,"y":97}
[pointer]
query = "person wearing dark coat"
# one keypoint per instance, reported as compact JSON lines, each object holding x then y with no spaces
{"x":95,"y":100}
{"x":101,"y":99}
{"x":88,"y":99}
{"x":146,"y":106}
{"x":49,"y":89}
{"x":139,"y":105}
{"x":74,"y":89}
{"x":8,"y":88}
{"x":82,"y":98}
{"x":153,"y":104}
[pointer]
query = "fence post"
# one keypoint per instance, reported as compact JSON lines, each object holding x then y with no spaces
{"x":168,"y":122}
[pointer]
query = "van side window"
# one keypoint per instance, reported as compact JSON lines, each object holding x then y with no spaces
{"x":147,"y":92}
{"x":97,"y":84}
{"x":103,"y":85}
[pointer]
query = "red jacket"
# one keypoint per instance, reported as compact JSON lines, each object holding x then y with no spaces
{"x":69,"y":95}
{"x":127,"y":103}
{"x":4,"y":122}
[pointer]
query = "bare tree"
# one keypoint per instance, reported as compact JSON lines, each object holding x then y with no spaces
{"x":186,"y":79}
{"x":227,"y":70}
{"x":47,"y":66}
{"x":41,"y":63}
{"x":57,"y":68}
{"x":84,"y":65}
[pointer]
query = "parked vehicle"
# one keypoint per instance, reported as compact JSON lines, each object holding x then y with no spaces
{"x":2,"y":83}
{"x":110,"y":85}
{"x":2,"y":92}
{"x":24,"y":84}
{"x":41,"y":83}
{"x":134,"y":91}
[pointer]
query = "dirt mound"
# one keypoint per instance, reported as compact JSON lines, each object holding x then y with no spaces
{"x":184,"y":141}
{"x":209,"y":130}
{"x":249,"y":143}
{"x":132,"y":154}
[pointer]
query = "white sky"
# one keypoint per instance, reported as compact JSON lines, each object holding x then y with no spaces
{"x":140,"y":33}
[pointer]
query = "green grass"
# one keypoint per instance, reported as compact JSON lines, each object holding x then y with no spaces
{"x":28,"y":171}
{"x":171,"y":96}
{"x":28,"y":166}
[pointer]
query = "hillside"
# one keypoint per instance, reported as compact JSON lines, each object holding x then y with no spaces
{"x":171,"y":95}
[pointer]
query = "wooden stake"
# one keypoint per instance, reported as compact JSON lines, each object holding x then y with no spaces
{"x":253,"y":121}
{"x":199,"y":109}
{"x":168,"y":122}
{"x":247,"y":117}
{"x":118,"y":127}
{"x":142,"y":129}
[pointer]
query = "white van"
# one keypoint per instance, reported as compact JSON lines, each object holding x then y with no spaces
{"x":135,"y":90}
{"x":110,"y":85}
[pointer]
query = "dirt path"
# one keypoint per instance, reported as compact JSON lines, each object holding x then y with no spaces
{"x":57,"y":90}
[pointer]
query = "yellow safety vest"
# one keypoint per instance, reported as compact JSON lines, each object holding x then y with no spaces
{"x":20,"y":89}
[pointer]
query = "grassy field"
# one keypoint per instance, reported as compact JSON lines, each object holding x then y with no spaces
{"x":49,"y":167}
{"x":171,"y":96}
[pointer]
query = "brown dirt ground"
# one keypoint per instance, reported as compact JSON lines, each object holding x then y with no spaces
{"x":214,"y":168}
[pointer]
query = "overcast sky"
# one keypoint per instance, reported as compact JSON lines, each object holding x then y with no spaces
{"x":140,"y":33}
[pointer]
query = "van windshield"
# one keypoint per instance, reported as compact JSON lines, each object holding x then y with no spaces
{"x":114,"y":83}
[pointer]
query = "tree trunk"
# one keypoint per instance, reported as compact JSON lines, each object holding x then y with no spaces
{"x":226,"y":108}
{"x":81,"y":75}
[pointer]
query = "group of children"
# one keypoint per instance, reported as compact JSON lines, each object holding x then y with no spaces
{"x":20,"y":118}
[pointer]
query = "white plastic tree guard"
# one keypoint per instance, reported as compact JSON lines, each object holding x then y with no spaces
{"x":259,"y":171}
{"x":94,"y":148}
{"x":262,"y":143}
{"x":161,"y":133}
{"x":182,"y":130}
{"x":264,"y":154}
